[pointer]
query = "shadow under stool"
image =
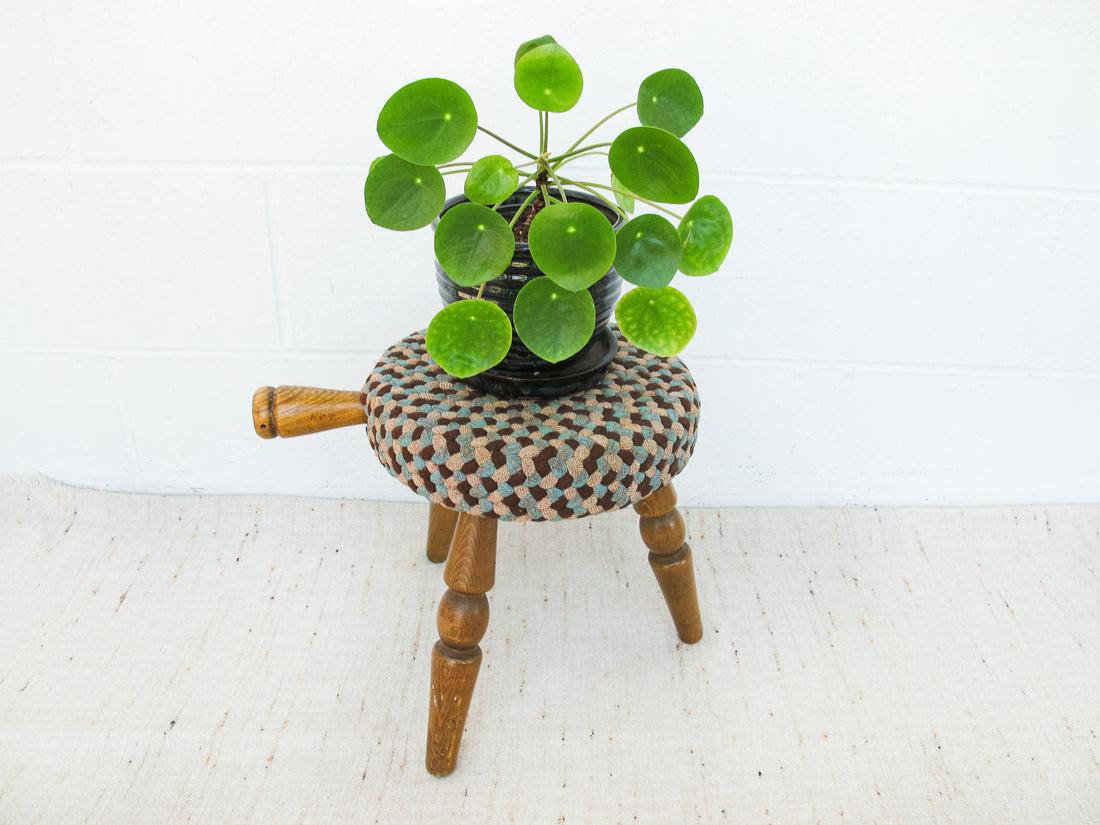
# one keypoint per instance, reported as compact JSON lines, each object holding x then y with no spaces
{"x":480,"y":459}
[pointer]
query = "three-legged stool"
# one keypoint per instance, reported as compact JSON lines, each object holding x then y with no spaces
{"x":481,"y":459}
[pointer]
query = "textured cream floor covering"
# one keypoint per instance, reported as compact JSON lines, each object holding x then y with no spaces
{"x":265,"y":660}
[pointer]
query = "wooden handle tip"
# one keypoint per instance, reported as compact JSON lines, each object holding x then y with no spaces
{"x":263,"y":412}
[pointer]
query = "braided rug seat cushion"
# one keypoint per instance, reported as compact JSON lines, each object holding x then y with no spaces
{"x":531,"y":459}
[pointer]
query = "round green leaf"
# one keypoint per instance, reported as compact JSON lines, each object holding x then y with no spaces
{"x":553,"y":322}
{"x":473,"y":243}
{"x":469,"y":336}
{"x":428,"y":122}
{"x":401,"y":195}
{"x":491,"y":180}
{"x":527,"y":45}
{"x":622,"y":196}
{"x":660,"y":321}
{"x":654,"y":164}
{"x":573,"y":243}
{"x":706,"y":232}
{"x":670,"y":100}
{"x":648,"y":251}
{"x":548,"y":78}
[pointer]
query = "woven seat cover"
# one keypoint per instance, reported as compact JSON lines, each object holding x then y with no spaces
{"x":531,"y":459}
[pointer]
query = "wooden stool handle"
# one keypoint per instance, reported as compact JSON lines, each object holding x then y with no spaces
{"x":291,"y":411}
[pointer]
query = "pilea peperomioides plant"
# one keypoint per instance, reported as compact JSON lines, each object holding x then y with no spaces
{"x":430,"y":123}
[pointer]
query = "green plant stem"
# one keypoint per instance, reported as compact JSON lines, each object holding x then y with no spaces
{"x":509,"y":144}
{"x":521,"y":209}
{"x":557,"y":182}
{"x":522,"y":183}
{"x":599,"y":124}
{"x":559,"y":164}
{"x":574,"y":153}
{"x":588,"y":186}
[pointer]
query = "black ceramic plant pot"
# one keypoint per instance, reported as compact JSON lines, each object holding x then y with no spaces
{"x":522,"y":373}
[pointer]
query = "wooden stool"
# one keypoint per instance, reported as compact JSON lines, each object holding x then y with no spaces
{"x":481,"y":459}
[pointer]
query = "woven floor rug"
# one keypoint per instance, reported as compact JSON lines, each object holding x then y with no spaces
{"x":240,"y":659}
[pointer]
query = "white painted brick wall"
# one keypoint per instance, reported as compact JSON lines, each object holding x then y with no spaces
{"x":908,"y":316}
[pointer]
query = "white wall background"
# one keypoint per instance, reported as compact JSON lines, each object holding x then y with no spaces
{"x":908,"y":316}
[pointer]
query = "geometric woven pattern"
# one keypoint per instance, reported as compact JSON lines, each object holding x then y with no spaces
{"x":531,"y":459}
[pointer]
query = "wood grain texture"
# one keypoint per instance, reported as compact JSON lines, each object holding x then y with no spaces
{"x":291,"y":411}
{"x":663,"y":531}
{"x":658,"y":502}
{"x":453,"y":678}
{"x":677,"y":581}
{"x":441,"y":529}
{"x":462,"y":620}
{"x":664,"y":534}
{"x":471,"y":565}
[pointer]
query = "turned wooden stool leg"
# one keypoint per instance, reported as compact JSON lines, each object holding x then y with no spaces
{"x":663,"y":532}
{"x":462,"y":620}
{"x":441,"y":529}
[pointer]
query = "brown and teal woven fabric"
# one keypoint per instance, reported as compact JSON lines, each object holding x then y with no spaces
{"x":531,"y":459}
